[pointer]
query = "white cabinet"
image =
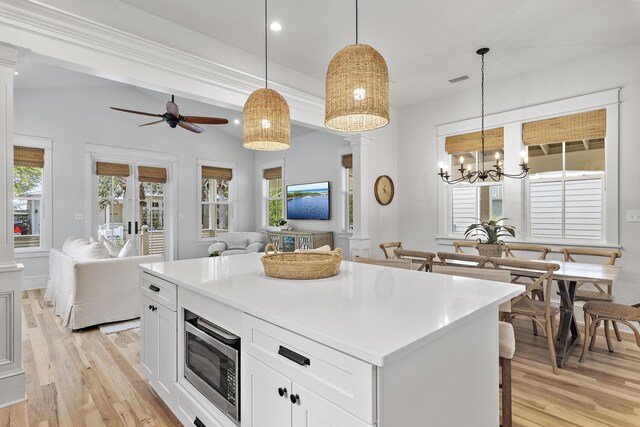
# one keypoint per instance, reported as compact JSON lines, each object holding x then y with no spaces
{"x":158,"y":353}
{"x":270,"y":399}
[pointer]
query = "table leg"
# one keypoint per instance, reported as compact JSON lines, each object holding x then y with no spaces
{"x":568,"y":333}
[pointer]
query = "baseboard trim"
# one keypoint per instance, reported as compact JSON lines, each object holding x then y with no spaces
{"x":12,"y":388}
{"x":34,"y":282}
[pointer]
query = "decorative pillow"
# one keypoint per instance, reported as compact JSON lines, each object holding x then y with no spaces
{"x":66,"y":246}
{"x":129,"y":249}
{"x":92,"y":240}
{"x":237,"y":244}
{"x":114,"y":250}
{"x":83,"y":250}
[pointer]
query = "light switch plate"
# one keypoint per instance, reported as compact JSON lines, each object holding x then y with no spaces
{"x":633,"y":215}
{"x":78,"y":216}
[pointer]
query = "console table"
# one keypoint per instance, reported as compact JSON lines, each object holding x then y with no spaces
{"x":290,"y":240}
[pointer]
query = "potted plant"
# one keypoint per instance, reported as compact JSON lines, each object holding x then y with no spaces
{"x":491,"y":232}
{"x":282,"y":224}
{"x":214,"y":254}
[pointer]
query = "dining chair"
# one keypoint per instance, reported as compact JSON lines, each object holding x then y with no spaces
{"x":602,"y":311}
{"x":397,"y":263}
{"x":524,"y":306}
{"x":507,"y":348}
{"x":463,"y":244}
{"x":389,"y":247}
{"x":421,"y":261}
{"x":462,"y":259}
{"x":600,"y":291}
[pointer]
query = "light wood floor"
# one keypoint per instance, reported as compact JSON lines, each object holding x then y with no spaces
{"x":85,"y":378}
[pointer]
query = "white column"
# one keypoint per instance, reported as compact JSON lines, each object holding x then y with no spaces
{"x":12,"y":383}
{"x":360,"y":242}
{"x":513,"y":189}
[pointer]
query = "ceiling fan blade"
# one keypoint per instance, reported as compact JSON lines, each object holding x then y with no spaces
{"x":152,"y":123}
{"x":191,"y":127}
{"x":205,"y":120}
{"x":136,"y":112}
{"x":172,"y":108}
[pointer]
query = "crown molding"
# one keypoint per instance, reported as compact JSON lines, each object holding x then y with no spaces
{"x":93,"y":47}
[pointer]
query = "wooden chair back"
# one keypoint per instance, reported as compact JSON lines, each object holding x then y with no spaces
{"x":422,"y":261}
{"x":610,"y":256}
{"x":462,"y":260}
{"x":539,"y":250}
{"x":476,"y":273}
{"x":520,"y":267}
{"x":396,"y":263}
{"x":457,"y":246}
{"x":388,"y":249}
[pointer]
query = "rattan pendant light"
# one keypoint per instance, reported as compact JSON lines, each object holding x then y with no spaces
{"x":265,"y":117}
{"x":357,"y":89}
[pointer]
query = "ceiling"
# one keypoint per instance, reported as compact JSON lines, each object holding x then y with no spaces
{"x":425,"y":42}
{"x":34,"y":73}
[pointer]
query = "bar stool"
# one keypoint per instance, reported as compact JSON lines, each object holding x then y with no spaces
{"x":506,"y":352}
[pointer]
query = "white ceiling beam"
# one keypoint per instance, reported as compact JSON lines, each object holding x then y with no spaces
{"x":585,"y":142}
{"x":544,"y":148}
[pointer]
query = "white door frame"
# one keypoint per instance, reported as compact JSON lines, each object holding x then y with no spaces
{"x":94,"y":152}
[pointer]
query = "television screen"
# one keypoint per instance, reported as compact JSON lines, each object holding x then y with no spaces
{"x":308,"y":201}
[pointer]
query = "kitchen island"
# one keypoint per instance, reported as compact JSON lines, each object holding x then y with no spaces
{"x":371,"y":346}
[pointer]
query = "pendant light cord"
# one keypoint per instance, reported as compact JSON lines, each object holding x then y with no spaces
{"x":266,"y":80}
{"x":356,"y":21}
{"x":482,"y":99}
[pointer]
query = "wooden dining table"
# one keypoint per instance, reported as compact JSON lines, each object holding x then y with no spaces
{"x":568,"y":277}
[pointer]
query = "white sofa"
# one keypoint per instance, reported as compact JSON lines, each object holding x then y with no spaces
{"x":96,"y":291}
{"x":255,"y":242}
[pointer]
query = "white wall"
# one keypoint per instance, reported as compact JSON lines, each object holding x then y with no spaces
{"x":417,"y":155}
{"x":75,"y":117}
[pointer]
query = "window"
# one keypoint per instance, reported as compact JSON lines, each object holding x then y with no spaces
{"x":28,"y":190}
{"x":273,"y":195}
{"x":111,"y":192}
{"x":347,"y":192}
{"x":215,"y":200}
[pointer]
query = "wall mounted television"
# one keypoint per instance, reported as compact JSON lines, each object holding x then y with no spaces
{"x":308,"y":201}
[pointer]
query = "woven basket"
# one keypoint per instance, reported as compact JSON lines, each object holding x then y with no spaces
{"x":301,"y":265}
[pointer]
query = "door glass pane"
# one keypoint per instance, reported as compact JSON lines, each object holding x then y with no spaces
{"x":27,"y":191}
{"x":111,"y":207}
{"x":584,"y":157}
{"x":152,"y":213}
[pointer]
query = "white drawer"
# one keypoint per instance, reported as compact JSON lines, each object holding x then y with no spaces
{"x":189,"y":411}
{"x":339,"y":378}
{"x":159,"y":290}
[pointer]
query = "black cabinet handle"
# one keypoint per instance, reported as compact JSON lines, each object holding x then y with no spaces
{"x":294,"y":398}
{"x":293,"y":356}
{"x":150,"y":307}
{"x":154,"y":288}
{"x":136,"y":227}
{"x":282,"y":391}
{"x":129,"y":228}
{"x":198,"y":423}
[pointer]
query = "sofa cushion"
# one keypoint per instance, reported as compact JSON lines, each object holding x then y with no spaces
{"x":83,"y":250}
{"x":129,"y":249}
{"x":234,"y":252}
{"x":66,"y":246}
{"x":114,"y":250}
{"x":240,"y":235}
{"x":238,"y":244}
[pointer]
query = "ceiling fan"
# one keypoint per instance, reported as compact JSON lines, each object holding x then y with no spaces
{"x":173,"y":118}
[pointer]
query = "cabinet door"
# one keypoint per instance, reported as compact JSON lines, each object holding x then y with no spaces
{"x":149,"y":339}
{"x":310,"y":410}
{"x":167,"y":353}
{"x":262,"y":405}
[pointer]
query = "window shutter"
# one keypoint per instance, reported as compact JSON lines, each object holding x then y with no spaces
{"x":465,"y":205}
{"x":574,"y":127}
{"x":28,"y":156}
{"x":112,"y":169}
{"x":152,"y":174}
{"x":546,"y":209}
{"x":272,"y":173}
{"x":211,"y":172}
{"x":469,"y":142}
{"x":583,"y":208}
{"x":347,"y":161}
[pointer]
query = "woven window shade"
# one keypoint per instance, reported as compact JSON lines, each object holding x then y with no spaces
{"x":112,"y":169}
{"x":469,"y":142}
{"x":574,"y":127}
{"x":347,"y":161}
{"x":151,"y":174}
{"x":28,"y":156}
{"x":272,"y":173}
{"x":210,"y":172}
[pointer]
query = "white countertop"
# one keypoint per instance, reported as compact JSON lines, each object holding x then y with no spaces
{"x":374,"y":313}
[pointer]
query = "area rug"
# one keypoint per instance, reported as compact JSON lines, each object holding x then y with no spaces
{"x":110,"y":328}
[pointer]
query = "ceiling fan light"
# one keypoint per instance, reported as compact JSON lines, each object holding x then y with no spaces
{"x":357,"y":90}
{"x":265,"y":121}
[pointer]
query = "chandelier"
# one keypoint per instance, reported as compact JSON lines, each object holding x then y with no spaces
{"x":497,"y":172}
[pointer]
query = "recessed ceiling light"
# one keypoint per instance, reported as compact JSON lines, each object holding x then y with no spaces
{"x":275,"y":26}
{"x":15,"y":73}
{"x":236,"y":121}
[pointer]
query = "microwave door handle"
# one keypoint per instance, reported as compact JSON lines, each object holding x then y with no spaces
{"x":216,"y":330}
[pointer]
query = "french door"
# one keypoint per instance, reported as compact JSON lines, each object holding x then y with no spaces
{"x":131,"y":204}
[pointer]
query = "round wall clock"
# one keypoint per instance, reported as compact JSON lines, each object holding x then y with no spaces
{"x":384,"y":190}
